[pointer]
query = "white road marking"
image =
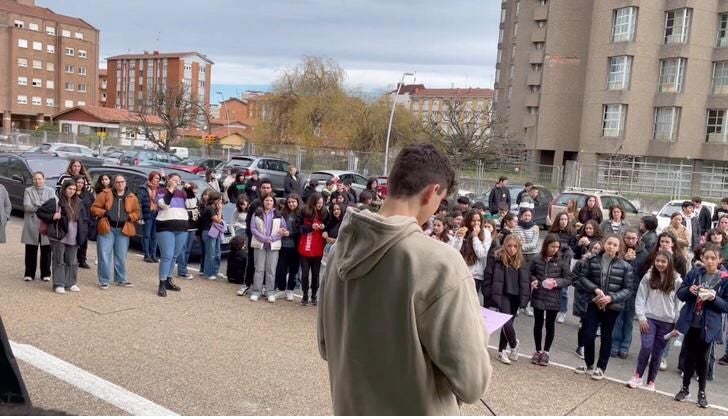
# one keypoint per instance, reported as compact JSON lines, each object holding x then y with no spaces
{"x":109,"y":392}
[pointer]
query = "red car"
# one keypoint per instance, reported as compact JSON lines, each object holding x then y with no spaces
{"x":197,"y":166}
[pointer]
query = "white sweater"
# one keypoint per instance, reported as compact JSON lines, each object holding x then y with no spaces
{"x":655,"y":304}
{"x":481,"y":252}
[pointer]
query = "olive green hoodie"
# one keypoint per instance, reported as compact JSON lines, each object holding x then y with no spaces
{"x":399,"y":322}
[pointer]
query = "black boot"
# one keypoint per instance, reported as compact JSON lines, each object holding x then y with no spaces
{"x":162,"y":291}
{"x":171,"y":285}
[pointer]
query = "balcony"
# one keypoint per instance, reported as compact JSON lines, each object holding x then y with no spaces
{"x":536,"y":57}
{"x":540,"y":13}
{"x":530,"y":121}
{"x":538,"y":35}
{"x":533,"y":78}
{"x":532,"y":99}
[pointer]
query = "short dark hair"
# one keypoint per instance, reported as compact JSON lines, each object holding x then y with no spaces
{"x":697,"y":200}
{"x":264,"y":181}
{"x":688,"y":204}
{"x":416,"y":167}
{"x":365,"y":196}
{"x":502,"y":178}
{"x":503,"y":207}
{"x":527,"y":185}
{"x":348,"y":182}
{"x":479,"y":206}
{"x":463,"y":200}
{"x":650,"y":222}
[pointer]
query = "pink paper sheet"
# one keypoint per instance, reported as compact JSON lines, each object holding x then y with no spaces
{"x":493,"y":320}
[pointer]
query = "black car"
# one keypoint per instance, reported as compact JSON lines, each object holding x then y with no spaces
{"x":16,"y":172}
{"x":137,"y":176}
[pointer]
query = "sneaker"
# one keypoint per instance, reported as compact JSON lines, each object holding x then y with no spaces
{"x":598,"y":374}
{"x":503,"y":357}
{"x":74,"y":288}
{"x":271,"y":298}
{"x":545,"y":358}
{"x":561,"y":318}
{"x":529,"y":311}
{"x":280,"y":294}
{"x":289,"y":295}
{"x":254,"y":297}
{"x":212,"y":278}
{"x":724,"y":360}
{"x":180,"y":276}
{"x":580,"y":352}
{"x":125,"y":284}
{"x":27,"y":279}
{"x":514,"y":352}
{"x":613,"y":354}
{"x":304,"y":301}
{"x":599,"y":331}
{"x":650,"y":386}
{"x":634,"y":382}
{"x":622,"y":355}
{"x":535,"y":358}
{"x":683,"y":394}
{"x":46,"y":279}
{"x":702,"y":400}
{"x":663,"y":364}
{"x":59,"y":290}
{"x":242,"y":291}
{"x":104,"y":286}
{"x":84,"y":265}
{"x":583,"y":369}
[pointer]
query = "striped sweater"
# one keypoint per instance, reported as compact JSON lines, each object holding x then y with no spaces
{"x":172,"y":214}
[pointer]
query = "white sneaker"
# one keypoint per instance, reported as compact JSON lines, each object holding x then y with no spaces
{"x":503,"y":357}
{"x":529,"y":311}
{"x":289,"y":295}
{"x":241,"y":292}
{"x":59,"y":290}
{"x":561,"y":318}
{"x":582,"y":369}
{"x":634,"y":382}
{"x":254,"y":297}
{"x":212,"y":278}
{"x":649,"y":386}
{"x":513,"y":355}
{"x":46,"y":279}
{"x":271,"y":298}
{"x":598,"y":374}
{"x":663,"y":364}
{"x":74,"y":288}
{"x":27,"y":279}
{"x":280,"y":294}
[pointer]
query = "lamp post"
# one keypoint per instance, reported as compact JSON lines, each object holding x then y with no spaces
{"x":391,"y":117}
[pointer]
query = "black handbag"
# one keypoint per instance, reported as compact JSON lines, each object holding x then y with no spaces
{"x":58,"y":229}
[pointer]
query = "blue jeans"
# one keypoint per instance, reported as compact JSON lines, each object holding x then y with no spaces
{"x":114,"y":244}
{"x":212,"y":254}
{"x":171,"y":244}
{"x":622,"y":335}
{"x":184,"y":257}
{"x":149,"y":239}
{"x":564,"y":300}
{"x":653,"y":345}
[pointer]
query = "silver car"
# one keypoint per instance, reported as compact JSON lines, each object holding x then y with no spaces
{"x":269,"y":168}
{"x":358,"y":182}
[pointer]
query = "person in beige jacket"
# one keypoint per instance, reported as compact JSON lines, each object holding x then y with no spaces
{"x":399,"y":320}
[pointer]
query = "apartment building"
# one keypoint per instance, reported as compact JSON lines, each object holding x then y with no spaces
{"x":49,"y":63}
{"x":618,"y":81}
{"x":103,"y":82}
{"x":132,"y":78}
{"x":427,"y":104}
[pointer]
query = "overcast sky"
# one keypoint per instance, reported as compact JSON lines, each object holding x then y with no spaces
{"x":375,"y":41}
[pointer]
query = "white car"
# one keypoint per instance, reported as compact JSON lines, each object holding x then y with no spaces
{"x":671,"y":207}
{"x":358,"y":182}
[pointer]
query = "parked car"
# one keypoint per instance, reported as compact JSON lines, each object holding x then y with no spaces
{"x":149,"y":158}
{"x":197,"y":166}
{"x":137,"y":176}
{"x":673,"y":206}
{"x":605,"y":199}
{"x":113,"y":157}
{"x":76,"y":151}
{"x":16,"y":172}
{"x":540,"y":211}
{"x":359,"y":182}
{"x":269,"y":168}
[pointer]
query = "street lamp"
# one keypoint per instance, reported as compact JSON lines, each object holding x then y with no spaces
{"x":391,"y":117}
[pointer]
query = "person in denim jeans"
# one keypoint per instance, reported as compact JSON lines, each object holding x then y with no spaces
{"x":118,"y":210}
{"x":172,"y":225}
{"x":636,"y":255}
{"x":211,"y":218}
{"x":147,"y":197}
{"x":193,"y":213}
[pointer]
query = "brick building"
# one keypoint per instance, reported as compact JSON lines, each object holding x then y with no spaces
{"x":49,"y":63}
{"x":103,"y":82}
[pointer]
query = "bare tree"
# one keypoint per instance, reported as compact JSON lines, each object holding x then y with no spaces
{"x":166,"y":112}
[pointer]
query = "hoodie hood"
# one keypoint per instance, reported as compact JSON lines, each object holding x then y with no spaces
{"x":365,"y":237}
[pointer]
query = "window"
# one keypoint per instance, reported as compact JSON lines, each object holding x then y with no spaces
{"x":80,"y":103}
{"x":51,"y":49}
{"x":82,"y":53}
{"x":38,"y":64}
{"x":69,"y":87}
{"x":619,"y":72}
{"x":500,"y":35}
{"x":50,"y":66}
{"x":33,"y":27}
{"x":50,"y":84}
{"x":503,"y":15}
{"x":66,"y":33}
{"x":51,"y":30}
{"x":22,"y":100}
{"x":82,"y":87}
{"x":82,"y":71}
{"x":69,"y":69}
{"x":511,"y":71}
{"x":68,"y":104}
{"x":666,"y":123}
{"x":672,"y":72}
{"x":624,"y":23}
{"x":510,"y":92}
{"x":70,"y":52}
{"x":23,"y":43}
{"x":19,"y":24}
{"x":720,"y":78}
{"x":37,"y":100}
{"x":37,"y":83}
{"x":22,"y":81}
{"x":677,"y":24}
{"x":22,"y":62}
{"x":715,"y":129}
{"x":78,"y":35}
{"x":50,"y":101}
{"x":613,"y":120}
{"x":38,"y":46}
{"x":188,"y":67}
{"x":515,"y":30}
{"x":518,"y":7}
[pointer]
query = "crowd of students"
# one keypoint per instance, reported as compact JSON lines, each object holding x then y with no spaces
{"x":674,"y":283}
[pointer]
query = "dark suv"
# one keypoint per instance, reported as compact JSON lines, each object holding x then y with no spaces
{"x":16,"y":172}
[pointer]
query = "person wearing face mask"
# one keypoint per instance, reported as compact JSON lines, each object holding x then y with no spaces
{"x":590,"y":212}
{"x":607,"y":281}
{"x":33,"y":198}
{"x":172,"y":223}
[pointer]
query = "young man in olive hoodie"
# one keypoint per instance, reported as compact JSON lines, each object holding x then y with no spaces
{"x":399,"y":320}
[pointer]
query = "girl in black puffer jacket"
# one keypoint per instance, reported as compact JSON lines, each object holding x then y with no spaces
{"x":581,"y":302}
{"x":549,"y":275}
{"x":607,"y":281}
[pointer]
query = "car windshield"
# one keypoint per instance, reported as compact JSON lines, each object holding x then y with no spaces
{"x":670,"y":209}
{"x":51,"y":167}
{"x":240,"y":162}
{"x":41,"y":148}
{"x":321,"y":177}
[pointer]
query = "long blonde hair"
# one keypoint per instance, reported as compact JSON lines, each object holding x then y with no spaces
{"x":507,"y":260}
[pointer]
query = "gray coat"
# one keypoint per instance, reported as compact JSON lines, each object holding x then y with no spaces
{"x":5,"y":209}
{"x":33,"y":198}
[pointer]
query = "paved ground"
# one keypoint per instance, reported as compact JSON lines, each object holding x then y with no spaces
{"x":205,"y":351}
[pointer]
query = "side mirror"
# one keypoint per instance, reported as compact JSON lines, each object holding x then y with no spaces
{"x":18,"y":178}
{"x":654,"y":213}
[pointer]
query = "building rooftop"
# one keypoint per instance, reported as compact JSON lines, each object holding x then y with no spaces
{"x":157,"y":54}
{"x":43,"y":13}
{"x":458,"y":92}
{"x":109,"y":115}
